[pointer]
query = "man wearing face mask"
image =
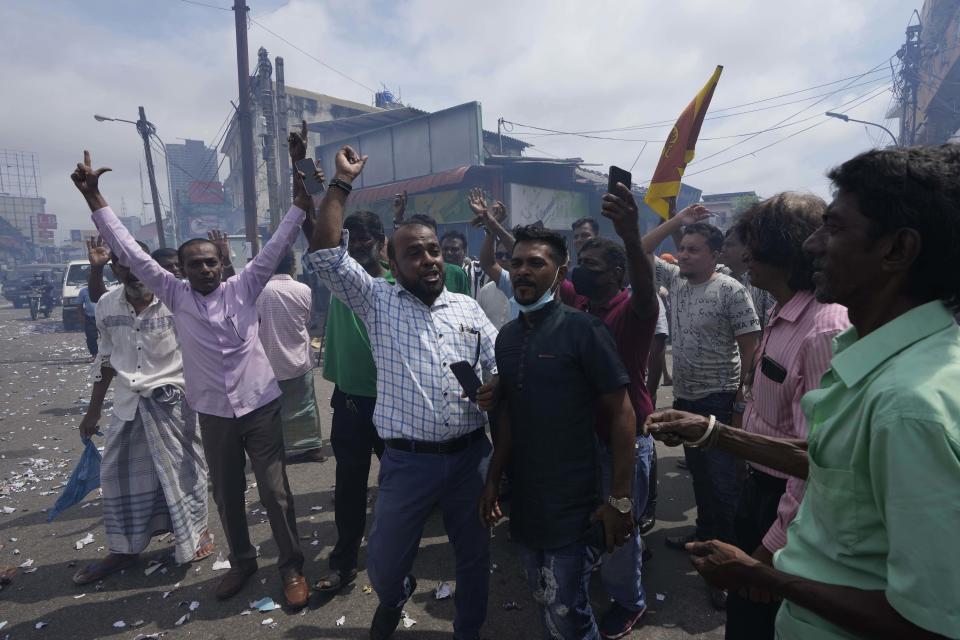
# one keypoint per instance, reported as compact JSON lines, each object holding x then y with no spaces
{"x":436,"y":449}
{"x":152,"y":454}
{"x":603,"y":268}
{"x":560,"y":371}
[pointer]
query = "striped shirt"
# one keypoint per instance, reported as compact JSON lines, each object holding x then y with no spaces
{"x":413,"y":345}
{"x":142,"y":349}
{"x":798,"y":337}
{"x":284,"y":307}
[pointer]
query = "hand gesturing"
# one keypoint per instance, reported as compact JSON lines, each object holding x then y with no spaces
{"x":86,"y":178}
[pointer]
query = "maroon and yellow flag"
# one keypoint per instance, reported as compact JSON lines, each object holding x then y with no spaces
{"x":679,"y":150}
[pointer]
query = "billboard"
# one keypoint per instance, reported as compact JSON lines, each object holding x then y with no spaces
{"x":555,"y":208}
{"x":46,"y":221}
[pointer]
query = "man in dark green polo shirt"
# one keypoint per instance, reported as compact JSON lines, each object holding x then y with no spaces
{"x":348,"y":363}
{"x":872,"y":552}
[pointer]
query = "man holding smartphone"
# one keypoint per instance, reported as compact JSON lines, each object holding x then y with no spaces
{"x":560,"y":370}
{"x":436,"y":450}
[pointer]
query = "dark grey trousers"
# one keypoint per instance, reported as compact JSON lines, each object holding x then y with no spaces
{"x":259,"y":434}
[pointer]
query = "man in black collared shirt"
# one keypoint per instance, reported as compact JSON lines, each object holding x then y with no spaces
{"x":558,"y":368}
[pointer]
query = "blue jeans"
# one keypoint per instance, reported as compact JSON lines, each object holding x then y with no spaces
{"x":621,"y":570}
{"x":411,"y":484}
{"x":716,"y":474}
{"x":559,"y":580}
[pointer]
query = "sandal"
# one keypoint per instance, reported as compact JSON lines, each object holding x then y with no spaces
{"x":96,"y":571}
{"x":334,"y":581}
{"x":205,"y":548}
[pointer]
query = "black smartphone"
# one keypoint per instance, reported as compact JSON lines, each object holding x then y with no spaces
{"x":309,"y":170}
{"x":618,"y":175}
{"x":773,"y":369}
{"x":467,"y":378}
{"x":597,"y":536}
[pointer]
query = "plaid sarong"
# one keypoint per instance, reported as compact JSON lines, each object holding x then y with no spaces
{"x":154,"y":476}
{"x":299,"y":415}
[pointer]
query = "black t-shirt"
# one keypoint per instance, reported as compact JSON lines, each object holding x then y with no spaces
{"x":552,"y":376}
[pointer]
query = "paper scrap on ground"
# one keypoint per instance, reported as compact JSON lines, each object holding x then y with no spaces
{"x":87,"y":539}
{"x":152,"y":566}
{"x":182,"y":619}
{"x":408,"y":621}
{"x":264,"y":604}
{"x":661,"y":597}
{"x":266,"y":621}
{"x":194,"y":605}
{"x":510,"y":605}
{"x":79,"y":595}
{"x":27,"y":563}
{"x":367,"y":589}
{"x":40,"y":625}
{"x":8,"y":509}
{"x":341,"y":621}
{"x":443,"y":591}
{"x":166,"y":594}
{"x":119,"y":624}
{"x":220,"y":563}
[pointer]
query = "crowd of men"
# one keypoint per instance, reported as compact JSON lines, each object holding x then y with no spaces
{"x":815,"y":386}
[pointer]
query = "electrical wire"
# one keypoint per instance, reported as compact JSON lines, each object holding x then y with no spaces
{"x":784,"y":139}
{"x":204,"y":4}
{"x":312,"y":57}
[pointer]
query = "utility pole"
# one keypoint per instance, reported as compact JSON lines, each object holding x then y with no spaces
{"x":146,"y":129}
{"x":283,"y":157}
{"x":245,"y":127}
{"x":909,"y":55}
{"x":265,"y":89}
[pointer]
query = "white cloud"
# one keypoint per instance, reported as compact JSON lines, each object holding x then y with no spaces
{"x":565,"y":65}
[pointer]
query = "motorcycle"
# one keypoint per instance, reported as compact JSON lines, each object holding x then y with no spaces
{"x":41,"y":302}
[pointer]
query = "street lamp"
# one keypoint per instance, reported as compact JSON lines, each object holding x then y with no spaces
{"x":145,"y":128}
{"x":846,"y":118}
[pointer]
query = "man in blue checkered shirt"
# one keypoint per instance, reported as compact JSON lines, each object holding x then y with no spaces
{"x":437,"y":451}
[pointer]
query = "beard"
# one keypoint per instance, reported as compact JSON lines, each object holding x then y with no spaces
{"x":137,"y":291}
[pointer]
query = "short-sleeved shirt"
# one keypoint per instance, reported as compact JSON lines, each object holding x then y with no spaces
{"x":705,"y":321}
{"x":89,"y":306}
{"x":495,"y":304}
{"x":882,"y":505}
{"x":284,"y":307}
{"x":552,"y":376}
{"x":347,"y":360}
{"x":632,"y":335}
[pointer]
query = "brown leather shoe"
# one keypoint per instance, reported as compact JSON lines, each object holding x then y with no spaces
{"x":234,"y":580}
{"x":296,"y":592}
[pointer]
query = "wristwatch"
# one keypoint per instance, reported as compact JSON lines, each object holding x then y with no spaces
{"x":623,"y":505}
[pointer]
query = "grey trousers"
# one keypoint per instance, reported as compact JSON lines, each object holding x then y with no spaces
{"x":260,"y":435}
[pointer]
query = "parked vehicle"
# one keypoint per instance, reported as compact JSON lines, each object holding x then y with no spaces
{"x":74,"y":280}
{"x":40,"y":296}
{"x":16,"y":287}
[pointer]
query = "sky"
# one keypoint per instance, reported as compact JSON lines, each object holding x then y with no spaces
{"x":568,"y":66}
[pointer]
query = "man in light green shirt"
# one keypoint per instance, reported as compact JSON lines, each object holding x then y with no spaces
{"x":872,"y":551}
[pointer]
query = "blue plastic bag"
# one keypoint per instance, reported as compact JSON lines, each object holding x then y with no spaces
{"x":85,"y":478}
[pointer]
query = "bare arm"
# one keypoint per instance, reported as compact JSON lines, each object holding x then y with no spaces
{"x":488,"y":259}
{"x":865,"y":613}
{"x":655,"y":365}
{"x":99,"y":256}
{"x":693,"y":213}
{"x":621,"y":209}
{"x":89,"y":423}
{"x":747,"y":345}
{"x":489,"y":507}
{"x":789,"y":456}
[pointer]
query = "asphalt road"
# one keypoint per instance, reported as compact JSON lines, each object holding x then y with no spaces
{"x":44,"y":385}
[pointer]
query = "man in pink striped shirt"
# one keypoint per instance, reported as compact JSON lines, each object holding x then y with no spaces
{"x":794,"y":352}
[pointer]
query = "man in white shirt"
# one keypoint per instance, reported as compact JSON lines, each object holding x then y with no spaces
{"x":284,"y":308}
{"x":153,"y":474}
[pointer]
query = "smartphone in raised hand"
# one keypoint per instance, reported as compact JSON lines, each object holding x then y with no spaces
{"x":618,"y":175}
{"x":309,"y":170}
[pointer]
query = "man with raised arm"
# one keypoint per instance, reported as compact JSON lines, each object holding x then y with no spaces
{"x":436,"y":449}
{"x":229,"y":381}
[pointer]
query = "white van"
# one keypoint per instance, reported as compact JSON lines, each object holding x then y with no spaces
{"x":75,"y":279}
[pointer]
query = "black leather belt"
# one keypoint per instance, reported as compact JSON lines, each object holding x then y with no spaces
{"x":446,"y":447}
